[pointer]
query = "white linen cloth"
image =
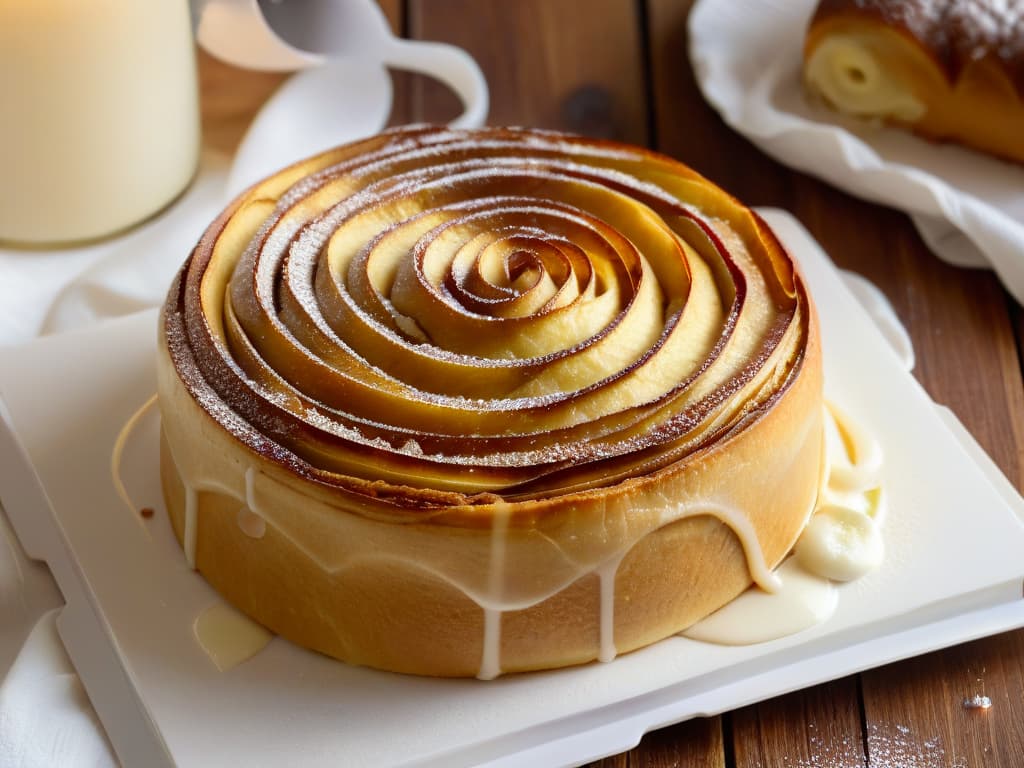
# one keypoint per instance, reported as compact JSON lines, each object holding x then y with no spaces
{"x":45,"y":718}
{"x":968,"y":207}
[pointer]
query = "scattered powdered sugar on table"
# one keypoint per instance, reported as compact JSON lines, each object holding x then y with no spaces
{"x":977,"y":701}
{"x":828,"y":752}
{"x":903,"y":750}
{"x":896,"y":748}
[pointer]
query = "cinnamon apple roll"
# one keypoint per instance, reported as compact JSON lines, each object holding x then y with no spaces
{"x":468,"y":403}
{"x":948,"y":69}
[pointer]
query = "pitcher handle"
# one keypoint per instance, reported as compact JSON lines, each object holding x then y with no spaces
{"x":448,"y":64}
{"x":236,"y":31}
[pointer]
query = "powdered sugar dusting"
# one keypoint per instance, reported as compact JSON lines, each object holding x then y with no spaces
{"x":959,"y":32}
{"x":359,"y":377}
{"x":895,"y":747}
{"x":979,"y":28}
{"x":828,"y":750}
{"x":899,"y":747}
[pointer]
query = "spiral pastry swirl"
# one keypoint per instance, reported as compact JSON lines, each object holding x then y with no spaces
{"x":485,"y":365}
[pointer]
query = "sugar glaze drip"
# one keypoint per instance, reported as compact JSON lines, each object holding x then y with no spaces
{"x":841,"y":542}
{"x":117,"y":454}
{"x":227,"y":636}
{"x":490,"y":662}
{"x":606,"y":573}
{"x":805,"y":599}
{"x":493,"y":602}
{"x":850,"y":450}
{"x":191,"y":524}
{"x":251,"y":524}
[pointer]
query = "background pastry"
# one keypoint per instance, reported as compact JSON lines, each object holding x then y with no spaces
{"x":948,"y":69}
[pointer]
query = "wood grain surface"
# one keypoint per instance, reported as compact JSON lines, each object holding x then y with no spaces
{"x":620,"y":69}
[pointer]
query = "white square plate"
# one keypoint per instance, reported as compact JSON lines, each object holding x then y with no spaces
{"x":131,"y":600}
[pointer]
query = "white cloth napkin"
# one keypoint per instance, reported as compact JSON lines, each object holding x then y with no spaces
{"x":968,"y":207}
{"x":45,"y":716}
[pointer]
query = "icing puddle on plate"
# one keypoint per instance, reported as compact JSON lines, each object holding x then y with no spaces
{"x":841,"y":542}
{"x":228,"y":636}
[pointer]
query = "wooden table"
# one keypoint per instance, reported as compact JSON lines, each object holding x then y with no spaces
{"x":619,"y":69}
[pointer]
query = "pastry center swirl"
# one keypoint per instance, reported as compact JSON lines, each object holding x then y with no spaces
{"x":523,"y":314}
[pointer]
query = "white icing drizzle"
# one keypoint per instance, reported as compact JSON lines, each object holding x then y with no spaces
{"x":191,"y":511}
{"x":842,"y":542}
{"x":490,"y":660}
{"x":492,"y":597}
{"x":493,"y":602}
{"x":607,"y":573}
{"x":250,"y":488}
{"x":228,"y":636}
{"x":249,"y":521}
{"x":192,"y":490}
{"x":854,"y":457}
{"x":803,"y":601}
{"x":743,"y":529}
{"x":117,"y":454}
{"x":251,"y":524}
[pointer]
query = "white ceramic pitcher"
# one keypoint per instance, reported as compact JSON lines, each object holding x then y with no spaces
{"x":99,"y":120}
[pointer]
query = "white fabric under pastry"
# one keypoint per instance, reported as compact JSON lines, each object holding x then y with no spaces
{"x":45,"y":716}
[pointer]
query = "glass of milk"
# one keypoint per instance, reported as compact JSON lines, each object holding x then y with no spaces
{"x":99,"y":115}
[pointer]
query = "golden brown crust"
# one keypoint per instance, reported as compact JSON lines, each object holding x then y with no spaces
{"x":404,"y":619}
{"x":962,"y":60}
{"x":667,"y":497}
